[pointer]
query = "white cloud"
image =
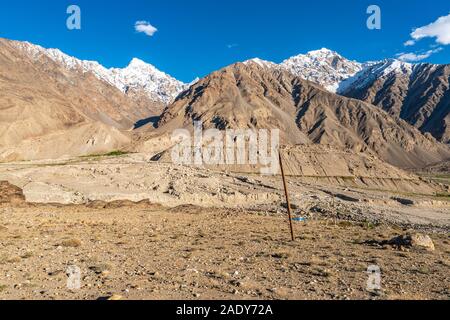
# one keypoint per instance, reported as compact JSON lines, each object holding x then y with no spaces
{"x":414,"y":57}
{"x":409,"y":43}
{"x":233,"y":45}
{"x":145,"y":27}
{"x":440,"y":29}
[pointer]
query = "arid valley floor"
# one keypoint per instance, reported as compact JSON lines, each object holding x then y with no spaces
{"x":217,"y":236}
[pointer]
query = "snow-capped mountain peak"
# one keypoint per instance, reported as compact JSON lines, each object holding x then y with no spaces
{"x":138,"y":75}
{"x":322,"y":52}
{"x":334,"y":72}
{"x":136,"y":62}
{"x":261,"y":63}
{"x":324,"y":66}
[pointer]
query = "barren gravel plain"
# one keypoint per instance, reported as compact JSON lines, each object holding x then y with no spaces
{"x":147,"y":230}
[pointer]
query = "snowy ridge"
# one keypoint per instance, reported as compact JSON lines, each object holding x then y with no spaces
{"x":373,"y":71}
{"x":138,"y":75}
{"x":336,"y":73}
{"x":323,"y":66}
{"x":261,"y":63}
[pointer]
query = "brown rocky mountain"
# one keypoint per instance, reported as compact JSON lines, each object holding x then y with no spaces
{"x":253,"y":95}
{"x":419,"y":94}
{"x":49,"y":111}
{"x":240,"y":96}
{"x":99,"y":100}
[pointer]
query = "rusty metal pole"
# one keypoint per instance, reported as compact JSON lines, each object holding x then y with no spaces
{"x":287,"y":197}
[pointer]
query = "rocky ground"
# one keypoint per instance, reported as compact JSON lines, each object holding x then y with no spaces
{"x":210,"y":235}
{"x":146,"y":251}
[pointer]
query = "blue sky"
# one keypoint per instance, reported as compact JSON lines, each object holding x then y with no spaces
{"x":197,"y":37}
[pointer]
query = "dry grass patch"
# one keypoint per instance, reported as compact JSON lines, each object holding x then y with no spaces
{"x":281,"y":255}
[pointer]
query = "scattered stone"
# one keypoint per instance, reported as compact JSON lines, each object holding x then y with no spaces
{"x":10,"y":193}
{"x":281,"y":255}
{"x":346,"y":198}
{"x":55,"y":273}
{"x":415,"y":240}
{"x":15,"y":259}
{"x":71,"y":243}
{"x":402,"y":201}
{"x":100,"y":268}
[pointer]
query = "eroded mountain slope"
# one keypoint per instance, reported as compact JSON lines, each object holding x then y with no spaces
{"x":252,"y":95}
